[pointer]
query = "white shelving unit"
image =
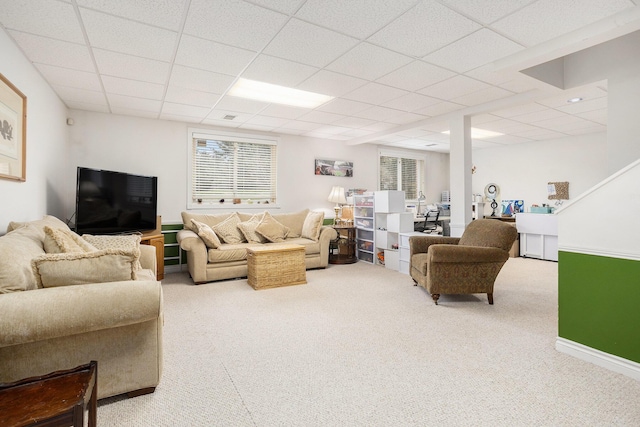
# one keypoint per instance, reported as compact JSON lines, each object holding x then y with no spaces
{"x":405,"y":250}
{"x":390,"y":220}
{"x":364,"y":221}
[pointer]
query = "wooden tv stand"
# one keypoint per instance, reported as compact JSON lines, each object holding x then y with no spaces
{"x":156,"y":238}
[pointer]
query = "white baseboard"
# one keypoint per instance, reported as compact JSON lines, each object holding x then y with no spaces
{"x":608,"y":361}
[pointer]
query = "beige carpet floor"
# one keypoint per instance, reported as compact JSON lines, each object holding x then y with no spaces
{"x":359,"y":345}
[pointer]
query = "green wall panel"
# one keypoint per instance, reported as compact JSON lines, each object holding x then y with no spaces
{"x":599,"y":303}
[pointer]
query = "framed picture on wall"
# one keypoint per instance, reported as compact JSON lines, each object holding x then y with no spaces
{"x":13,"y":129}
{"x":333,"y":167}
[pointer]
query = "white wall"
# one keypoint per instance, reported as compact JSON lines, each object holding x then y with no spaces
{"x":160,"y":148}
{"x":42,"y":192}
{"x":522,"y":171}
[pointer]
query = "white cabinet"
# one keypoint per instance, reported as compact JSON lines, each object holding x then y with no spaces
{"x":405,"y":251}
{"x":390,"y":220}
{"x":365,"y":227}
{"x":538,"y":235}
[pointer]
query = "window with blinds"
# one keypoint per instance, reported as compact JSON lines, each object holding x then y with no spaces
{"x":400,"y":173}
{"x":228,"y":167}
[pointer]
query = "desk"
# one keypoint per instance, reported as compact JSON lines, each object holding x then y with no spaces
{"x":56,"y":399}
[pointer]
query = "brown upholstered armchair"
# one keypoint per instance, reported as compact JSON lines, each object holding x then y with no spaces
{"x":464,"y":265}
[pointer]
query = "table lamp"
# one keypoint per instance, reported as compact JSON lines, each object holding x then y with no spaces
{"x":337,"y":196}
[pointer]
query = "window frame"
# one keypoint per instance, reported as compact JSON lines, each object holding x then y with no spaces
{"x":197,"y":133}
{"x":420,"y":168}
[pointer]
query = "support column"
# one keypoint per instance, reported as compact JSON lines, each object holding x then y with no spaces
{"x":460,"y":174}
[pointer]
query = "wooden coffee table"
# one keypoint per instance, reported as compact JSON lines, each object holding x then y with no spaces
{"x":56,"y":399}
{"x":272,"y":266}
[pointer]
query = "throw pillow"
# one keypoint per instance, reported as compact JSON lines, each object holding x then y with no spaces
{"x":228,"y":230}
{"x":294,"y":221}
{"x":271,"y":229}
{"x":78,"y":268}
{"x":126,"y":242}
{"x":206,"y":233}
{"x":312,"y":225}
{"x":248,"y":229}
{"x":17,"y":248}
{"x":59,"y":240}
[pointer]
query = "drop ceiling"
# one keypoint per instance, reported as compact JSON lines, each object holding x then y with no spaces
{"x":397,"y":69}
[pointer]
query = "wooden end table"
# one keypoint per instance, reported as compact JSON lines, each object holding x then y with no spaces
{"x":56,"y":399}
{"x":342,"y":250}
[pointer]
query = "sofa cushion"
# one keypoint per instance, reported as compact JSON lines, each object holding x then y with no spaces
{"x":59,"y":240}
{"x":228,"y":230}
{"x":17,"y":248}
{"x":294,"y":221}
{"x":34,"y":230}
{"x":310,"y":247}
{"x":248,"y":229}
{"x":227,"y":253}
{"x":208,"y":219}
{"x":312,"y":225}
{"x":271,"y":229}
{"x":110,"y":265}
{"x":125,"y":242}
{"x":206,"y":233}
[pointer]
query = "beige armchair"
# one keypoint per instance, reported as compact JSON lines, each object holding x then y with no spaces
{"x":465,"y":265}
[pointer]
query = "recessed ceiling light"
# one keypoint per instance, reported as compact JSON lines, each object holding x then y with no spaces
{"x":268,"y":92}
{"x":480,"y":133}
{"x":576,"y":99}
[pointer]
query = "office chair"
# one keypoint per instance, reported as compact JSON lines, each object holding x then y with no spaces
{"x":430,"y":222}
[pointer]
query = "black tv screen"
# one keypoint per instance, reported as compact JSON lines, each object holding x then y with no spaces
{"x":109,"y":202}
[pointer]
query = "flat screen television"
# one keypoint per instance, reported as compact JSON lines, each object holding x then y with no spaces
{"x":109,"y":202}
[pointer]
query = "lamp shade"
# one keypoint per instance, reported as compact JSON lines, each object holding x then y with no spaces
{"x":337,"y":195}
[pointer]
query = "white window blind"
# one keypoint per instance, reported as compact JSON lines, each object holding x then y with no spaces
{"x":400,"y":173}
{"x":228,"y":167}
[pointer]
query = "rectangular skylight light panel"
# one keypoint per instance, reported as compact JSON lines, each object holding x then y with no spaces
{"x":268,"y":92}
{"x":480,"y":133}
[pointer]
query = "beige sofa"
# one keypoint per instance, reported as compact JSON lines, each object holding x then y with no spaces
{"x":47,"y":323}
{"x":221,"y":260}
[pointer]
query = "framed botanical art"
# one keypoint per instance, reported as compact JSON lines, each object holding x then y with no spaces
{"x":13,"y":131}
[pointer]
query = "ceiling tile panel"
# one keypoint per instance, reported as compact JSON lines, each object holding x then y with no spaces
{"x":47,"y":18}
{"x":278,"y":71}
{"x":416,"y":75}
{"x":598,"y":116}
{"x":284,"y":111}
{"x":135,"y":113}
{"x":587,"y":130}
{"x":375,"y":93}
{"x":321,"y":117}
{"x":330,"y":83}
{"x":180,"y":95}
{"x":519,"y":110}
{"x":584,"y":106}
{"x":243,"y":105}
{"x":539,"y":116}
{"x":99,"y":108}
{"x":73,"y":94}
{"x":343,"y":106}
{"x":206,"y":55}
{"x":475,"y":50}
{"x":301,"y":125}
{"x":423,"y":29}
{"x":121,"y":35}
{"x":443,"y":107}
{"x":402,"y":119}
{"x":184,"y":110}
{"x":200,"y":80}
{"x":482,"y":96}
{"x":309,"y":44}
{"x":486,"y":11}
{"x":284,"y":6}
{"x":545,"y":19}
{"x":226,"y":22}
{"x":411,"y":102}
{"x":454,"y":87}
{"x":72,"y":78}
{"x":44,"y":50}
{"x":122,"y":101}
{"x":219,"y":114}
{"x":357,"y":18}
{"x":354,"y":122}
{"x":267,"y":121}
{"x":586,"y":92}
{"x":162,"y":13}
{"x":133,"y":88}
{"x":131,"y":67}
{"x":369,"y":62}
